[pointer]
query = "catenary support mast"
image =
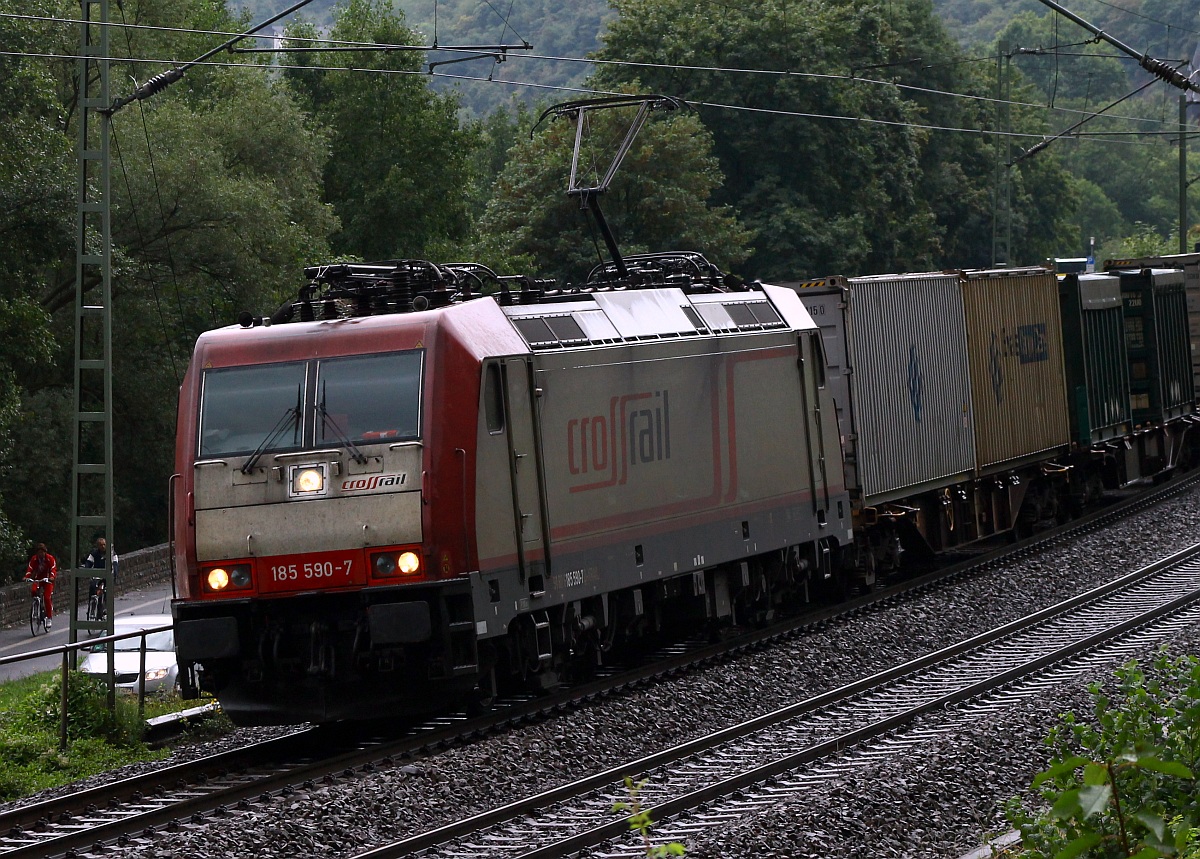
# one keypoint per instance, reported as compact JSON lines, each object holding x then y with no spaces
{"x":92,"y":435}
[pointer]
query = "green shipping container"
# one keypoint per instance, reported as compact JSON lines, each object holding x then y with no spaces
{"x":1096,"y":361}
{"x":1157,"y":339}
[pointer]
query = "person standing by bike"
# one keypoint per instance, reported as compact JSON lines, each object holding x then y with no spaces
{"x":42,"y":565}
{"x":98,"y":559}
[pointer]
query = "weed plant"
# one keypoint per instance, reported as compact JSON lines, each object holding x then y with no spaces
{"x":1123,"y":783}
{"x":98,"y":739}
{"x":640,"y":822}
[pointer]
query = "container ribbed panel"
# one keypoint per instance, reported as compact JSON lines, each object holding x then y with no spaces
{"x":1016,"y":352}
{"x":911,"y":390}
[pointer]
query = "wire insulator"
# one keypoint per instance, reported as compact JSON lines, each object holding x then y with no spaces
{"x":158,"y":83}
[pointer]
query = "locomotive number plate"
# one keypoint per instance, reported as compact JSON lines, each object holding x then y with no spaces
{"x":312,"y":571}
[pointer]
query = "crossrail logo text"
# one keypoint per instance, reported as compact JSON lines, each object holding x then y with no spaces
{"x":636,"y":431}
{"x":374,"y":481}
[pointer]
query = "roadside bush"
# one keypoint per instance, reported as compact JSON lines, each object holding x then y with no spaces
{"x":1123,"y":783}
{"x":87,"y":706}
{"x":29,"y":733}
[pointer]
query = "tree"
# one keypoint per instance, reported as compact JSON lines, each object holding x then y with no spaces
{"x":216,"y":206}
{"x":832,"y":168}
{"x":36,"y":187}
{"x":1122,"y":782}
{"x":398,"y":170}
{"x":822,"y":190}
{"x":658,"y":200}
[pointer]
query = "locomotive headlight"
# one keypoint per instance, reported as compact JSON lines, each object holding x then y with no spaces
{"x":229,"y":578}
{"x":308,"y":480}
{"x":396,"y":563}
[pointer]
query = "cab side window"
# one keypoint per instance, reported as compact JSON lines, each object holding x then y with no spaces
{"x":493,"y":399}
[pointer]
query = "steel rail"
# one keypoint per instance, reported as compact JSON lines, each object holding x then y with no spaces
{"x":610,"y":782}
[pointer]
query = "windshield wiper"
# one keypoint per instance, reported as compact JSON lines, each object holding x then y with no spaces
{"x":328,"y":421}
{"x":291,"y":418}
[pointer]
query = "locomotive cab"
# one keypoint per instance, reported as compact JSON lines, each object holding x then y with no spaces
{"x":309,"y":571}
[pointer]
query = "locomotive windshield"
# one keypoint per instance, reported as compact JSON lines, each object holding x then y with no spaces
{"x":369,"y":398}
{"x":247,"y":407}
{"x":330,"y":402}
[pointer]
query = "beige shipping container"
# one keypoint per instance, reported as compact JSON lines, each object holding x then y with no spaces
{"x":1018,"y":384}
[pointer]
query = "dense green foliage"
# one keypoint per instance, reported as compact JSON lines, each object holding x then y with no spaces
{"x":1123,"y":782}
{"x":829,"y":170}
{"x":216,"y":201}
{"x":1125,"y":160}
{"x":36,"y":188}
{"x":1163,"y":28}
{"x":551,"y":29}
{"x":98,"y":739}
{"x":398,"y":157}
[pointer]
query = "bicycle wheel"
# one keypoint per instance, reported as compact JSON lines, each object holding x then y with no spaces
{"x":35,"y":615}
{"x":93,"y":611}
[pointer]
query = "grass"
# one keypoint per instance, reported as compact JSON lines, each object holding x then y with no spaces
{"x":98,"y":740}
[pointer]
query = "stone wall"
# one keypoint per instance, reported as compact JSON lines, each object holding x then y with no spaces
{"x":135,"y":570}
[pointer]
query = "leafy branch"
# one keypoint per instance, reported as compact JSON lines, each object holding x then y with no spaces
{"x":1124,"y":783}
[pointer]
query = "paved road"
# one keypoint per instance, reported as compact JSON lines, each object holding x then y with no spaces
{"x":15,"y":640}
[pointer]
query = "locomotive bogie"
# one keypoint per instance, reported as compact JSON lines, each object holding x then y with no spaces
{"x":322,"y":656}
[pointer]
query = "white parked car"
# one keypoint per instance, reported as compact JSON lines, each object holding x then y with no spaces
{"x":162,"y":671}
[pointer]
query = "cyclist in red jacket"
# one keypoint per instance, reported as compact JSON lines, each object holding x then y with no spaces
{"x":43,"y":566}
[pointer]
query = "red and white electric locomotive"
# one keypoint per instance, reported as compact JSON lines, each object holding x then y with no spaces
{"x":412,"y":492}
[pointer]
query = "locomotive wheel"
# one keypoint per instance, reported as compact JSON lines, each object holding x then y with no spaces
{"x":483,"y":696}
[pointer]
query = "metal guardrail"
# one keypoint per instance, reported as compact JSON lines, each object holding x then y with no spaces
{"x":67,"y":650}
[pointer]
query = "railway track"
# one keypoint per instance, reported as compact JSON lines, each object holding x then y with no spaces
{"x":138,"y":809}
{"x":722,"y":776}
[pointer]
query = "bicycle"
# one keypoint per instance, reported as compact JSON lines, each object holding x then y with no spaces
{"x":96,"y":604}
{"x":37,"y":612}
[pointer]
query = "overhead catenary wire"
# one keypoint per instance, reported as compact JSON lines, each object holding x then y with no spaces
{"x":1126,"y":11}
{"x":1155,"y":66}
{"x":579,"y":89}
{"x":341,"y":45}
{"x":162,"y":215}
{"x":1038,"y":147}
{"x":158,"y":81}
{"x":586,"y":90}
{"x":165,"y":79}
{"x":137,"y":221}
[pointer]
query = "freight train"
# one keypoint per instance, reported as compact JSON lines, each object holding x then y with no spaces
{"x":418,"y":484}
{"x":399,"y":493}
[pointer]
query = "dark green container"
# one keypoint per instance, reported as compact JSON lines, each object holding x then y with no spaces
{"x":1156,"y":337}
{"x":1095,"y":354}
